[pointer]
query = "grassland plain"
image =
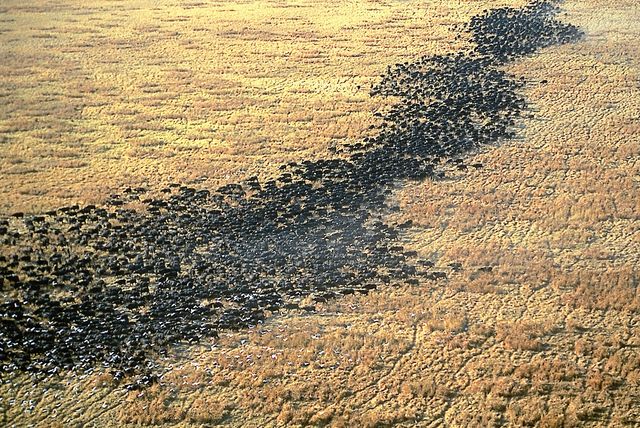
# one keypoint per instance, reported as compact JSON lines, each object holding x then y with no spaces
{"x":541,"y":326}
{"x":100,"y":96}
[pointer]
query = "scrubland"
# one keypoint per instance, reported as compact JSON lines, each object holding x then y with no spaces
{"x":540,"y":326}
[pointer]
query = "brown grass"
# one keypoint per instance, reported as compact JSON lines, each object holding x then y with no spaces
{"x":143,"y":93}
{"x":541,"y":325}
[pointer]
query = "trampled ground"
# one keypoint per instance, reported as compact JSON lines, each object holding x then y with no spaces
{"x":541,"y":323}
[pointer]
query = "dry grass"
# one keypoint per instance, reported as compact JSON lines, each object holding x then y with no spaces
{"x":97,"y":98}
{"x":540,"y":327}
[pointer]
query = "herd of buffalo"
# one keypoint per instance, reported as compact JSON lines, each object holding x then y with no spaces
{"x":88,"y":286}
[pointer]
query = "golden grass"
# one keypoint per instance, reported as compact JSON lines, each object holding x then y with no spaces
{"x":541,"y":326}
{"x":99,"y":97}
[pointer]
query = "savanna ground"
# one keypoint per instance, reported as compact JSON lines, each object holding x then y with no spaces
{"x":541,"y":326}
